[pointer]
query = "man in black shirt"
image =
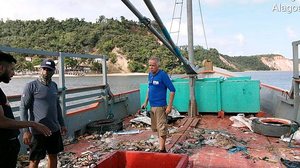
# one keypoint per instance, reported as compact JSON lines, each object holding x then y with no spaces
{"x":9,"y":127}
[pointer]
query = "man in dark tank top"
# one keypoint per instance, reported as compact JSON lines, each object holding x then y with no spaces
{"x":9,"y":127}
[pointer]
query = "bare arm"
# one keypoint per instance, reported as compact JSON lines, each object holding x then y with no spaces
{"x":169,"y":108}
{"x":8,"y":123}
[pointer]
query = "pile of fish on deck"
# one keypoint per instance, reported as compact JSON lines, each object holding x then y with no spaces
{"x":103,"y":144}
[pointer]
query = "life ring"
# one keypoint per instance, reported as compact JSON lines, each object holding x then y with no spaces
{"x":275,"y":127}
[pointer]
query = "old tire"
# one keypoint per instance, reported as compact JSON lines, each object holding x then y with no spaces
{"x":102,"y":126}
{"x":274,"y":127}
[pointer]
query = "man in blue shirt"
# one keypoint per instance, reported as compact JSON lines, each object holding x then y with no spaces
{"x":159,"y":82}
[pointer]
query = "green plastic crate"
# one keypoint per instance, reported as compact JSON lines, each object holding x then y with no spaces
{"x":240,"y":96}
{"x":182,"y":96}
{"x":181,"y":99}
{"x":143,"y":93}
{"x":234,"y":95}
{"x":207,"y":93}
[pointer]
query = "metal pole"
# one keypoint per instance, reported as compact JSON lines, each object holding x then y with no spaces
{"x":187,"y":65}
{"x":296,"y":79}
{"x":104,"y":70}
{"x":166,"y":39}
{"x":61,"y":83}
{"x":190,"y":31}
{"x":193,"y":105}
{"x":104,"y":81}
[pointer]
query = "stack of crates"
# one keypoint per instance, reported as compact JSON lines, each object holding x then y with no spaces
{"x":231,"y":95}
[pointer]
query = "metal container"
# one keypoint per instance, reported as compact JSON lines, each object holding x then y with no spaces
{"x":240,"y":96}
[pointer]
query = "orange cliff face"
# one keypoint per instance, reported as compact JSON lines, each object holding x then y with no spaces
{"x":121,"y":63}
{"x":278,"y":62}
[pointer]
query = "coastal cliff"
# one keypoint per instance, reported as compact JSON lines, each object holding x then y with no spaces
{"x":278,"y":62}
{"x":275,"y":62}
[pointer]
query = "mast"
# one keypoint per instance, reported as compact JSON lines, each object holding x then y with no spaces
{"x":192,"y":77}
{"x":190,"y":31}
{"x":167,"y":40}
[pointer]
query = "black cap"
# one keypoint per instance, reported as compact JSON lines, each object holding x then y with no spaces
{"x":48,"y":63}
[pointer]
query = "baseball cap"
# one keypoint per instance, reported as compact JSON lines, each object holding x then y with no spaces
{"x":48,"y":63}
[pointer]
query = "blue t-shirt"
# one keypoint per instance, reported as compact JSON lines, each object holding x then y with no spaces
{"x":158,"y":85}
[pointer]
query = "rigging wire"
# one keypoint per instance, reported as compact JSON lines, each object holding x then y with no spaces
{"x":175,"y":17}
{"x":180,"y":2}
{"x":203,"y":24}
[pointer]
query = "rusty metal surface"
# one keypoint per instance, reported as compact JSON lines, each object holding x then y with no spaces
{"x":209,"y":141}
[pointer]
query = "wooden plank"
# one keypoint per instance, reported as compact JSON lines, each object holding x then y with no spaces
{"x":183,"y":121}
{"x":186,"y":127}
{"x":195,"y":122}
{"x":181,"y":131}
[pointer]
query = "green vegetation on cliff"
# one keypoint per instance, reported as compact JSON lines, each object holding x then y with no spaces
{"x":131,"y":38}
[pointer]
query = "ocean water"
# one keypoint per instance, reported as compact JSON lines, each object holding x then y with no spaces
{"x":118,"y":84}
{"x":281,"y":79}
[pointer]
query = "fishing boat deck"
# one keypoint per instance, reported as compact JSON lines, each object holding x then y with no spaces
{"x":261,"y":151}
{"x":217,"y":151}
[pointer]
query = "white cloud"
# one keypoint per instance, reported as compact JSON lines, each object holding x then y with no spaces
{"x":62,"y":9}
{"x":240,"y":39}
{"x":291,"y":33}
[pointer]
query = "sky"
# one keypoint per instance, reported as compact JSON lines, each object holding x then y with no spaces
{"x":233,"y":27}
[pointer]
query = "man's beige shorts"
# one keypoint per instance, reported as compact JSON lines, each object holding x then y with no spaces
{"x":159,"y":120}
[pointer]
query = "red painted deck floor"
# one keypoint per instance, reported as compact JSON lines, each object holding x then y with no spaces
{"x":262,"y":151}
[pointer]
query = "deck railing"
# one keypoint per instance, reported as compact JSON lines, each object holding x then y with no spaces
{"x":71,"y":99}
{"x":76,"y":99}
